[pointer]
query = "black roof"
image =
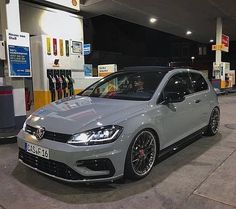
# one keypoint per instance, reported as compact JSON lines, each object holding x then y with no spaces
{"x":148,"y":68}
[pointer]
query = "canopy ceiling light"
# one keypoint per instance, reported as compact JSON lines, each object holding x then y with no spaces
{"x":188,"y":32}
{"x":153,"y":20}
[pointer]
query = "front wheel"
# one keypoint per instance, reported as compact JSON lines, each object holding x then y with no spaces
{"x":141,"y":155}
{"x":214,"y":122}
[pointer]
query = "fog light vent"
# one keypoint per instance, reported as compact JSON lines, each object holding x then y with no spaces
{"x":98,"y":165}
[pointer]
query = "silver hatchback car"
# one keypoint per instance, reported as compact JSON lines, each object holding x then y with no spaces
{"x":120,"y":125}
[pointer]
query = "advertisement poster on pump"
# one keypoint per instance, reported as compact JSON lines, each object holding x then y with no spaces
{"x":18,"y":54}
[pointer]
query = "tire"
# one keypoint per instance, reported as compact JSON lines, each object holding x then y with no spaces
{"x":141,"y":155}
{"x":213,"y":126}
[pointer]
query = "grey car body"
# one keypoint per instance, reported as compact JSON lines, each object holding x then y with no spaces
{"x":169,"y":123}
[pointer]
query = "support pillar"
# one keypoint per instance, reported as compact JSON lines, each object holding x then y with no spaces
{"x":218,"y":65}
{"x":10,"y":19}
{"x":218,"y":39}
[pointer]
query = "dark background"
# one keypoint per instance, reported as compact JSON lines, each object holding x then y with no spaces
{"x":116,"y":41}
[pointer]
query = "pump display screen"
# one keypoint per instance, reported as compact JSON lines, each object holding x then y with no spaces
{"x":76,"y":47}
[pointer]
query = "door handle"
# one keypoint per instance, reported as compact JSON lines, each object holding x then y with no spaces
{"x":197,"y":101}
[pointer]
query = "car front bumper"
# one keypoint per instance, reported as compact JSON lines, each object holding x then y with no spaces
{"x":70,"y":163}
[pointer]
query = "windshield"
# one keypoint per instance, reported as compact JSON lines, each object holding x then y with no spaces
{"x":138,"y":86}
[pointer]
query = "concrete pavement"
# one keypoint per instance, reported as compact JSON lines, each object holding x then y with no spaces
{"x":201,"y":176}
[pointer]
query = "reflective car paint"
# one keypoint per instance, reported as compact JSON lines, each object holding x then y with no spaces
{"x":171,"y":123}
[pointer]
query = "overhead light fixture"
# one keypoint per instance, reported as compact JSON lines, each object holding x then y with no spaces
{"x":188,"y":32}
{"x":192,"y":58}
{"x":153,"y":20}
{"x":211,"y":41}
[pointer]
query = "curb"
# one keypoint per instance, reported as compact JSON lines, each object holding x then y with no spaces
{"x":8,"y":140}
{"x":8,"y":136}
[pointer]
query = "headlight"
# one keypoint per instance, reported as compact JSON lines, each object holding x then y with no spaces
{"x":103,"y":135}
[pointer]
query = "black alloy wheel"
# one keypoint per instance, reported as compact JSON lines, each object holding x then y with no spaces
{"x":141,"y":155}
{"x":214,"y":122}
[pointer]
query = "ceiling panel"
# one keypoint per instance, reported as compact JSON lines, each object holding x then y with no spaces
{"x":174,"y":16}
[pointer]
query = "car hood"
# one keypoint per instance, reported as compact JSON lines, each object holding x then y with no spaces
{"x":76,"y":114}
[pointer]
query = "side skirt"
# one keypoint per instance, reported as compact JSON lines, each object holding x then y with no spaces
{"x":181,"y":144}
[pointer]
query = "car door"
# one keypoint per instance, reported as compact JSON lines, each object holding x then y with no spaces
{"x":201,"y":100}
{"x":176,"y":118}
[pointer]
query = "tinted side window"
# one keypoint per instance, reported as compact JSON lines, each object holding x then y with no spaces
{"x":198,"y":82}
{"x":179,"y":83}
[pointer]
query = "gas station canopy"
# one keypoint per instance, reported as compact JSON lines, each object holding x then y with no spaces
{"x":174,"y":17}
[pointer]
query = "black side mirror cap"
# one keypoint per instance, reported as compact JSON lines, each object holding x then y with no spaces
{"x":173,"y":97}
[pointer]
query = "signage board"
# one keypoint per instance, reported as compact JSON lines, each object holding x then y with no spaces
{"x":71,"y":4}
{"x":87,"y":49}
{"x":224,"y":46}
{"x":225,"y":43}
{"x":104,"y":70}
{"x":217,"y":47}
{"x":18,"y":54}
{"x":88,"y":70}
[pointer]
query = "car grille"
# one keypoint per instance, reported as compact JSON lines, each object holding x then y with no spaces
{"x":59,"y":137}
{"x":49,"y":166}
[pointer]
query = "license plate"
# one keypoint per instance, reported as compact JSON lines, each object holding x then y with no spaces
{"x":37,"y":150}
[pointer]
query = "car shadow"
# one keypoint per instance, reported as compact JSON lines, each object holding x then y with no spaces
{"x":108,"y":192}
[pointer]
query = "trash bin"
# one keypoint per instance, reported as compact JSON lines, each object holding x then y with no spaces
{"x":7,"y":115}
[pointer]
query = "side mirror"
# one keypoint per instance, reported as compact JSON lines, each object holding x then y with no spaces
{"x":174,"y":97}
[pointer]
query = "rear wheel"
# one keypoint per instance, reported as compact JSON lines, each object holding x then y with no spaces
{"x":214,"y":123}
{"x":141,"y":155}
